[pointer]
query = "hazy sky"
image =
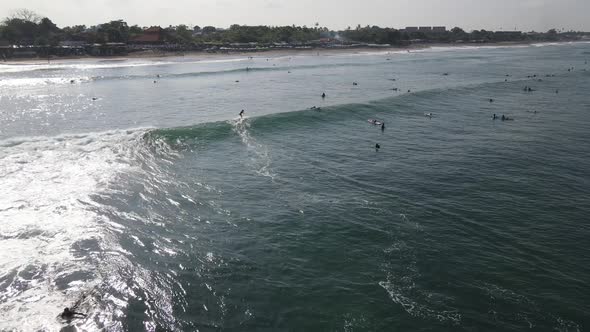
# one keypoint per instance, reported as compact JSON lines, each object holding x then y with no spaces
{"x":526,"y":15}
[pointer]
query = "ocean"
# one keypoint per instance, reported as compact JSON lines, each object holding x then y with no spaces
{"x":131,"y":191}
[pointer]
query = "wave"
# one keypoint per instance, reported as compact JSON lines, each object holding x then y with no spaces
{"x":60,"y":246}
{"x":240,"y":70}
{"x":72,"y":78}
{"x":494,"y":46}
{"x":112,"y":64}
{"x":200,"y":135}
{"x":42,"y":81}
{"x":204,"y":133}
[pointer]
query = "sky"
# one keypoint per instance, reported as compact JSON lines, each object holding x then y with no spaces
{"x":524,"y":15}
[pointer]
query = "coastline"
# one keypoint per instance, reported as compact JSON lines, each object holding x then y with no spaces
{"x":203,"y":55}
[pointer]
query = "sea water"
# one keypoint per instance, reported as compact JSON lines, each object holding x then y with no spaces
{"x":132,"y":191}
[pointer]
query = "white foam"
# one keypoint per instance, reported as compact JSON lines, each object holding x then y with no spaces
{"x":64,"y":64}
{"x":92,"y":64}
{"x":45,"y":189}
{"x":40,"y":81}
{"x":261,"y":161}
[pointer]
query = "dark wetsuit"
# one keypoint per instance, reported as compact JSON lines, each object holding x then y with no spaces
{"x":70,"y":314}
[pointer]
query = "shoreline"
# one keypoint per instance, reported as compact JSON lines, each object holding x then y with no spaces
{"x":203,"y":55}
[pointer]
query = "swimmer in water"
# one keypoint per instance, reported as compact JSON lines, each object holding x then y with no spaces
{"x":377,"y":147}
{"x":242,"y":114}
{"x":70,"y":314}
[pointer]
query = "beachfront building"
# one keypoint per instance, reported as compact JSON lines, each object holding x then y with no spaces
{"x":439,"y":29}
{"x":425,"y":29}
{"x":107,"y":49}
{"x":151,"y":36}
{"x":508,"y":35}
{"x":411,"y":29}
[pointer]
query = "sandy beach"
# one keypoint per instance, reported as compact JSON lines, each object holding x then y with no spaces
{"x":202,"y":55}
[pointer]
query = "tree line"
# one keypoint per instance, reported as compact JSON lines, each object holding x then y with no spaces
{"x":27,"y":28}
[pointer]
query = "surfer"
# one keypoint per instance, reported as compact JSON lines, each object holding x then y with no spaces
{"x":503,"y":117}
{"x":70,"y":314}
{"x":557,"y":91}
{"x":323,"y":95}
{"x":383,"y":126}
{"x":242,"y":114}
{"x":494,"y":117}
{"x":355,"y":83}
{"x":377,"y":147}
{"x":491,"y":100}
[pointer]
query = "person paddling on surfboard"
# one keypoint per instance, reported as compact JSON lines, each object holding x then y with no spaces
{"x":242,"y":114}
{"x":70,"y":314}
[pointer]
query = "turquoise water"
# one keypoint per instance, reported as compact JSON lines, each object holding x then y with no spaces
{"x":154,"y":207}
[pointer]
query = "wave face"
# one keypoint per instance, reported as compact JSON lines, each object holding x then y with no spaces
{"x":289,"y":218}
